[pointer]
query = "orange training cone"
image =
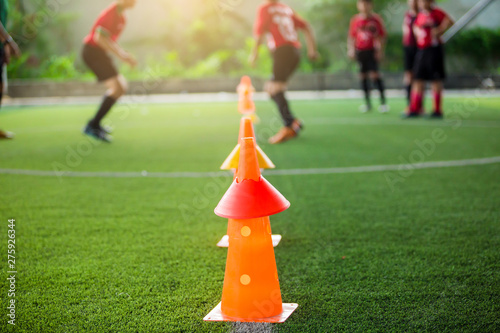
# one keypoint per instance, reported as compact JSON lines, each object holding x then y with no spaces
{"x":246,"y":105}
{"x":231,"y":162}
{"x":251,"y":291}
{"x":246,"y":130}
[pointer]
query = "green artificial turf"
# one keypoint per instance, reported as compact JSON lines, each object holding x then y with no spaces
{"x":357,"y":255}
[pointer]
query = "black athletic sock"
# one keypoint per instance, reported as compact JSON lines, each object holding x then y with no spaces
{"x":365,"y":86}
{"x":1,"y":96}
{"x":380,"y":86}
{"x":408,"y":93}
{"x":106,"y":105}
{"x":284,"y":109}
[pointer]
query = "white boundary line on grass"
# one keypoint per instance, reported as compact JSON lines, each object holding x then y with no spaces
{"x":229,"y":97}
{"x":286,"y":172}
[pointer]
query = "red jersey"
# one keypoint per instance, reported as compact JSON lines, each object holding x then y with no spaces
{"x":425,"y":22}
{"x":366,"y":30}
{"x":281,"y":22}
{"x":112,"y":20}
{"x":409,"y":38}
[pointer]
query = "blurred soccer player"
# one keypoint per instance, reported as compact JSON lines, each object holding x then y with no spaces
{"x":280,"y":23}
{"x":365,"y":43}
{"x":430,"y":25}
{"x":8,"y":48}
{"x":99,"y":44}
{"x":409,"y":46}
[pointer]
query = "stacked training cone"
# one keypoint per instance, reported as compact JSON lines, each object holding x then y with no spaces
{"x":246,"y":105}
{"x":246,"y":131}
{"x":251,"y":291}
{"x":231,"y":163}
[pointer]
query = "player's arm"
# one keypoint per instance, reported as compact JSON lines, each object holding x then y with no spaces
{"x":381,"y":41}
{"x":103,"y":39}
{"x":259,"y":30}
{"x":254,"y":55}
{"x":11,"y":46}
{"x":312,"y":49}
{"x":300,"y":23}
{"x":351,"y":51}
{"x":446,"y":23}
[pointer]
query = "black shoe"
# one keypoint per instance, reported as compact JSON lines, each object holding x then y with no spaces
{"x":435,"y":115}
{"x":411,"y":115}
{"x":97,"y":133}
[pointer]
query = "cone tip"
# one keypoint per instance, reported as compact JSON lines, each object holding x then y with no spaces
{"x":246,"y":80}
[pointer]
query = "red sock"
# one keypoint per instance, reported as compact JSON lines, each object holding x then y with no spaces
{"x":416,"y":102}
{"x":437,"y":102}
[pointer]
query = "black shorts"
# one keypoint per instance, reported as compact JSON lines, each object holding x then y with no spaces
{"x":367,"y":61}
{"x":429,"y":64}
{"x":410,"y":52}
{"x":286,"y":59}
{"x":99,"y":62}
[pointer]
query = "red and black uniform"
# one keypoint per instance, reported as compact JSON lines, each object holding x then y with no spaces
{"x":110,"y":22}
{"x":409,"y":40}
{"x":366,"y":32}
{"x":429,"y":61}
{"x":281,"y":24}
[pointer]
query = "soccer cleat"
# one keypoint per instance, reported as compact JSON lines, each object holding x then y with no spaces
{"x":6,"y":135}
{"x":365,"y":108}
{"x":435,"y":115}
{"x":284,"y":134}
{"x":97,"y":133}
{"x":384,"y":108}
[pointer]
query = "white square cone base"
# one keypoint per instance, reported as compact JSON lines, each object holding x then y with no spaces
{"x":224,"y":242}
{"x":217,"y":315}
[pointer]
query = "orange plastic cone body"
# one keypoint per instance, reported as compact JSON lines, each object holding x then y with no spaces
{"x":246,"y":129}
{"x":245,"y":91}
{"x":250,"y":195}
{"x":251,"y":286}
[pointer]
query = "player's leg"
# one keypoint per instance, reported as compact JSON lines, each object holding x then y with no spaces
{"x":417,"y":93}
{"x":276,"y":91}
{"x":117,"y":86}
{"x":409,"y":62}
{"x":437,"y":92}
{"x":379,"y":83}
{"x":102,"y":66}
{"x":362,"y":58}
{"x":3,"y":134}
{"x":365,"y":87}
{"x":420,"y":75}
{"x":438,"y":75}
{"x":286,"y":60}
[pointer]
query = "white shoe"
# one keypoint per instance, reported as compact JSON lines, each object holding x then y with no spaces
{"x":364,"y":108}
{"x":384,"y":108}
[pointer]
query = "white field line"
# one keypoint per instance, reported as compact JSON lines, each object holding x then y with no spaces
{"x":286,"y":172}
{"x":229,"y":97}
{"x":317,"y":121}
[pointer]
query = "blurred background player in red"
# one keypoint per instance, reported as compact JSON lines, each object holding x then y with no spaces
{"x":280,"y":23}
{"x":365,"y":43}
{"x":8,"y":48}
{"x":431,"y":23}
{"x":409,"y":47}
{"x":99,"y":44}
